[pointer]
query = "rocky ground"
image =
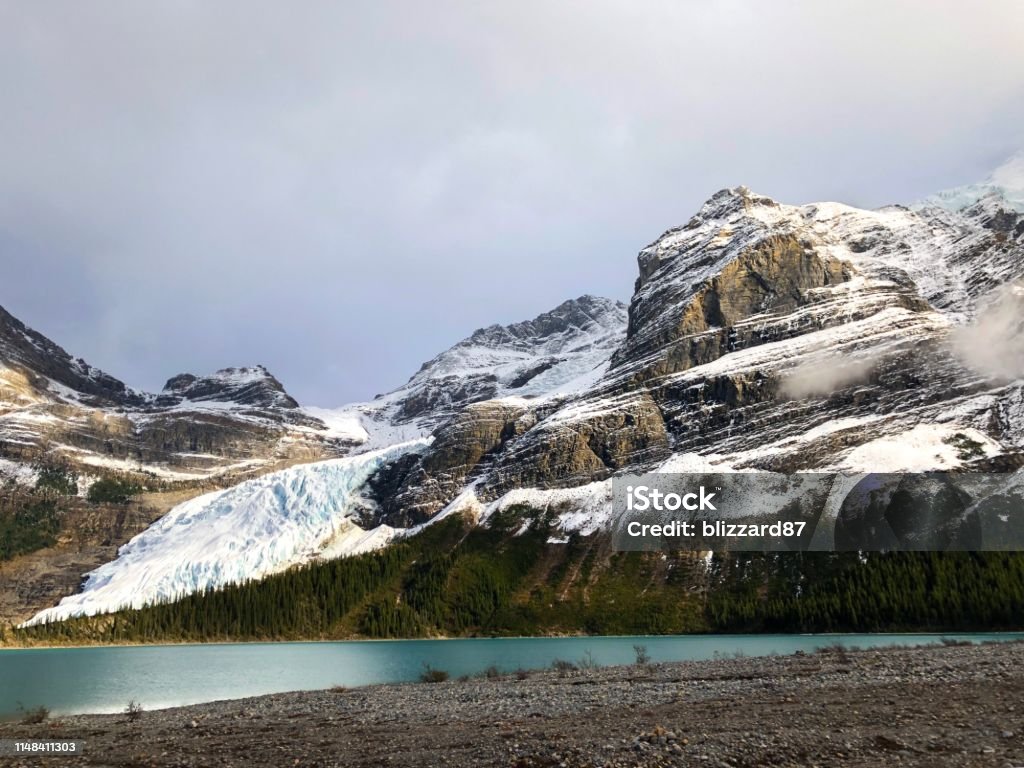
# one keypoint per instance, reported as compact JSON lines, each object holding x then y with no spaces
{"x":945,"y":706}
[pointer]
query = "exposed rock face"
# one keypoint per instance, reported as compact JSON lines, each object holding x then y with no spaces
{"x":576,"y":448}
{"x":766,"y":336}
{"x":245,"y":386}
{"x":90,"y":536}
{"x":416,"y":487}
{"x":486,"y":441}
{"x":42,"y":362}
{"x":759,"y":335}
{"x":675,"y":332}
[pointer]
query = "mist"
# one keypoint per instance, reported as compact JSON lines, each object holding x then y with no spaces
{"x":992,"y":345}
{"x":821,"y":376}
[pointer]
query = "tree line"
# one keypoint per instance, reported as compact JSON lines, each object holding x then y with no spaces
{"x":456,"y":579}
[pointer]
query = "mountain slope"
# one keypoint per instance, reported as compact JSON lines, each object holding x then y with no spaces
{"x":209,"y":431}
{"x":44,"y":365}
{"x":759,"y":336}
{"x":528,"y":359}
{"x":252,"y":530}
{"x":55,"y":408}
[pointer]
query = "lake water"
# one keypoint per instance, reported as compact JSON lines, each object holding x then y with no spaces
{"x":105,"y":679}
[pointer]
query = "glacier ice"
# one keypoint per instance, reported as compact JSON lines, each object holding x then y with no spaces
{"x":251,"y":530}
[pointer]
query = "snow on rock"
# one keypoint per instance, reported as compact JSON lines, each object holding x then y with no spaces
{"x":15,"y":472}
{"x":1005,"y":183}
{"x":585,"y":508}
{"x":353,"y":540}
{"x":557,"y":352}
{"x":252,"y":386}
{"x":909,"y":278}
{"x":686,"y":463}
{"x":926,"y":447}
{"x":257,"y":528}
{"x":342,"y":423}
{"x":1011,"y":416}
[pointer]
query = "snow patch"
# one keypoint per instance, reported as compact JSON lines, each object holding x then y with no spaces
{"x":926,"y":447}
{"x":341,"y":423}
{"x":22,"y":474}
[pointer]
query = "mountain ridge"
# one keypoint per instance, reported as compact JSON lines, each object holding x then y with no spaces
{"x":760,"y":336}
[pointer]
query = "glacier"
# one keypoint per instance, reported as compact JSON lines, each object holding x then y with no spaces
{"x":248,"y":531}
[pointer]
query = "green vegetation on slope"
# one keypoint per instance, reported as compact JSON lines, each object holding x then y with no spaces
{"x":56,"y":478}
{"x":113,"y":490}
{"x":35,"y":517}
{"x":507,"y":579}
{"x":851,"y":592}
{"x":27,"y":524}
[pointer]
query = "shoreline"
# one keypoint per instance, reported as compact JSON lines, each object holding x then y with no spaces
{"x":927,"y":706}
{"x":1010,"y":634}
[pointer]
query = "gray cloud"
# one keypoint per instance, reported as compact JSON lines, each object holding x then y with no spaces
{"x":825,"y":375}
{"x":341,"y":190}
{"x":993,"y":343}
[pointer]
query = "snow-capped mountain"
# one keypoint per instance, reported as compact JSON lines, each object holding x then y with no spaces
{"x":253,"y":386}
{"x":558,"y":351}
{"x":231,"y":423}
{"x":30,"y":362}
{"x":1005,"y":185}
{"x":759,"y":336}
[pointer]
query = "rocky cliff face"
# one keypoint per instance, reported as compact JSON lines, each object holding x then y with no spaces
{"x":254,"y":387}
{"x":34,"y":365}
{"x":699,"y":282}
{"x":763,"y":335}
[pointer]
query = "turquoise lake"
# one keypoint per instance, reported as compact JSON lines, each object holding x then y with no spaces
{"x":105,"y":679}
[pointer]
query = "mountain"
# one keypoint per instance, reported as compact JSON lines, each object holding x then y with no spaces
{"x":1004,"y":187}
{"x":54,"y":408}
{"x":204,"y":433}
{"x":557,"y":351}
{"x":32,"y":364}
{"x":759,"y":335}
{"x":253,"y":387}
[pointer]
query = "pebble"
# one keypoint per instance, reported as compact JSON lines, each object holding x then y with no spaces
{"x":884,"y":710}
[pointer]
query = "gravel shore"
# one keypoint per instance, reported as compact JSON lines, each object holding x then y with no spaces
{"x":939,"y":706}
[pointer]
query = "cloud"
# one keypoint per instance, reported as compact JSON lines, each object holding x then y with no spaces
{"x":993,"y":344}
{"x":341,"y":190}
{"x":825,"y":375}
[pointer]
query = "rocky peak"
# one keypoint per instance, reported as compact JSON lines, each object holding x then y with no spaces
{"x":228,"y":424}
{"x":252,"y":386}
{"x":714,"y":223}
{"x":743,"y":255}
{"x":554,"y":330}
{"x":729,"y":202}
{"x":531,"y":358}
{"x":1005,"y":184}
{"x":43,"y":361}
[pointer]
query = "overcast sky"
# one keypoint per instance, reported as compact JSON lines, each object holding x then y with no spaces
{"x":341,"y":190}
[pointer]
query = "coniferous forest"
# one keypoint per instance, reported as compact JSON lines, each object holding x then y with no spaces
{"x":455,"y":579}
